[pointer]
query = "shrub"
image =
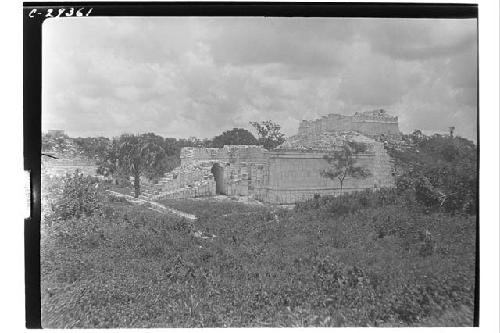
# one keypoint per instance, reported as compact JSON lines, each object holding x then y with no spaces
{"x":352,"y":202}
{"x":440,"y":172}
{"x":133,"y":267}
{"x":75,"y":195}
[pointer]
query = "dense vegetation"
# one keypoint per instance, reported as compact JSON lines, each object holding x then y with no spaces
{"x":269,"y":132}
{"x":150,"y":155}
{"x":359,"y":260}
{"x":439,"y":171}
{"x":236,"y":136}
{"x":135,"y":156}
{"x":392,"y":257}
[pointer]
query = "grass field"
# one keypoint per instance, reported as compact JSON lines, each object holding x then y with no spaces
{"x":128,"y":266}
{"x":212,"y":207}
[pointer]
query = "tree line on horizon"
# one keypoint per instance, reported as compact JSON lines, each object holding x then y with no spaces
{"x":440,"y":170}
{"x":150,"y":155}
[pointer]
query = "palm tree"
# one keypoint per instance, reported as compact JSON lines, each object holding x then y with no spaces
{"x":140,"y":155}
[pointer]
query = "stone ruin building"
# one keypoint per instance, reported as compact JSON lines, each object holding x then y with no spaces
{"x":289,"y":173}
{"x":371,"y":123}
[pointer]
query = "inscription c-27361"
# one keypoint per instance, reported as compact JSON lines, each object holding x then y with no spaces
{"x":60,"y":12}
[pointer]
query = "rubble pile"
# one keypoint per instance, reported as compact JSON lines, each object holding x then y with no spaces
{"x":323,"y":141}
{"x":61,"y":146}
{"x":375,"y":115}
{"x":400,"y":145}
{"x":369,"y":123}
{"x":62,"y":166}
{"x":242,"y":173}
{"x":64,"y":156}
{"x":185,"y":181}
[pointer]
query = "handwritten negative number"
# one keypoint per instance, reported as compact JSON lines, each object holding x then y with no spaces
{"x":67,"y":12}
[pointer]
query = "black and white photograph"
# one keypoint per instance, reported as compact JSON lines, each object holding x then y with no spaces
{"x":258,"y":171}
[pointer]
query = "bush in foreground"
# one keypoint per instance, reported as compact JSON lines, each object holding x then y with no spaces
{"x":363,"y":259}
{"x":132,"y":267}
{"x":71,"y":196}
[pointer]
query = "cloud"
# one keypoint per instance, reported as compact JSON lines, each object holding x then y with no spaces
{"x":301,"y":46}
{"x":189,"y":76}
{"x":373,"y":80}
{"x":418,"y":39}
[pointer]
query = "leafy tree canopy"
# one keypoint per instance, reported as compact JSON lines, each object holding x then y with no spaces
{"x":270,"y":135}
{"x":236,"y":136}
{"x":135,"y":155}
{"x":441,"y":170}
{"x":93,"y":147}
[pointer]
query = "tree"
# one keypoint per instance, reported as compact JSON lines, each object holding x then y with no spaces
{"x":135,"y":155}
{"x":417,"y":136}
{"x":93,"y":148}
{"x":270,"y":135}
{"x":342,"y":163}
{"x":236,"y":136}
{"x":440,"y":171}
{"x":452,"y":130}
{"x":107,"y":162}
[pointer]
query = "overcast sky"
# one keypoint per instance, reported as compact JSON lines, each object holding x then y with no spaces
{"x":181,"y":77}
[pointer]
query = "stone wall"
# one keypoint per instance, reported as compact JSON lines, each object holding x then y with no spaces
{"x":64,"y":165}
{"x":229,"y":154}
{"x":243,"y":170}
{"x":296,"y":176}
{"x":282,"y":176}
{"x":187,"y":181}
{"x":373,"y":128}
{"x":372,"y":123}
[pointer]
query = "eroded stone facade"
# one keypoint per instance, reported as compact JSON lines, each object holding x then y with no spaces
{"x":371,"y":123}
{"x":296,"y":173}
{"x":231,"y":170}
{"x":289,"y":173}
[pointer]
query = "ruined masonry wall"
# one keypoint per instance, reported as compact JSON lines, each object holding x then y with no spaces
{"x":229,"y":154}
{"x":62,"y":166}
{"x":277,"y":177}
{"x":243,"y":173}
{"x":376,"y":128}
{"x":366,"y":124}
{"x":296,"y":176}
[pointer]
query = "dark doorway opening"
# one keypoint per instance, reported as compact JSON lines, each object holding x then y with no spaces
{"x":218,"y":173}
